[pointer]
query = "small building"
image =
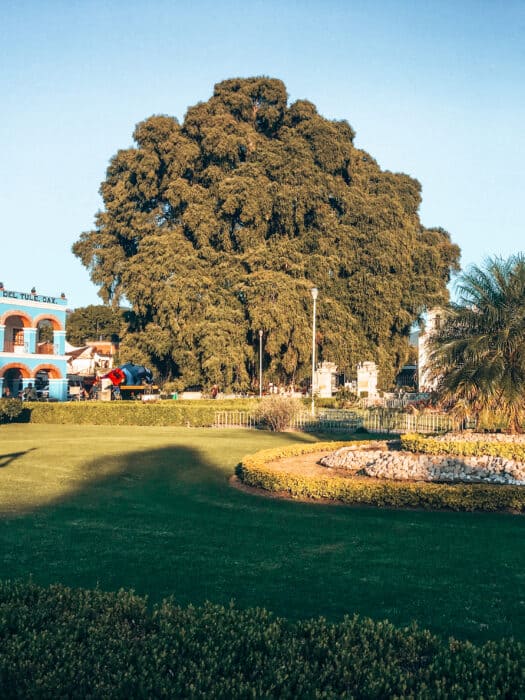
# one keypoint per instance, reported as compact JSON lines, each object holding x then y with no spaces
{"x":92,"y":358}
{"x":32,"y":342}
{"x":407,"y":378}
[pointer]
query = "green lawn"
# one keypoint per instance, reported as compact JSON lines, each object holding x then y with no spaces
{"x":151,"y":509}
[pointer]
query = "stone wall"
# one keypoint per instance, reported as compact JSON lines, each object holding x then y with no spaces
{"x":381,"y":463}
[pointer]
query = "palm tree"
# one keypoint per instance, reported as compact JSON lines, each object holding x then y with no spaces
{"x":478,"y":354}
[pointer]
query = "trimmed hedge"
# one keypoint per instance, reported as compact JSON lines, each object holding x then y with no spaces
{"x":462,"y":448}
{"x":192,"y":413}
{"x":199,"y":413}
{"x":10,"y":409}
{"x":253,"y":471}
{"x":60,"y":642}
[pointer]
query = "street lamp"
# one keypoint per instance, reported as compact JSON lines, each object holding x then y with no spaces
{"x":260,"y":363}
{"x":315,"y":292}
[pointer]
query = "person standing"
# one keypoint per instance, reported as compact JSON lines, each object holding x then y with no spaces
{"x":30,"y":393}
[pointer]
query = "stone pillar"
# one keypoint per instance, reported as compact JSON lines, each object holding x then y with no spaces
{"x":58,"y":389}
{"x":105,"y":390}
{"x":367,"y":379}
{"x":325,"y":372}
{"x":30,"y":339}
{"x":59,"y":340}
{"x":1,"y":386}
{"x":2,"y":337}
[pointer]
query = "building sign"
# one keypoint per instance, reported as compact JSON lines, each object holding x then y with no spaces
{"x":31,"y":297}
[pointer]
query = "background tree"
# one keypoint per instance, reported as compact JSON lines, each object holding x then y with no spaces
{"x":478,"y":353}
{"x":94,"y":323}
{"x":219,"y":227}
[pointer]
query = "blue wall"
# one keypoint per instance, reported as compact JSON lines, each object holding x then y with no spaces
{"x":20,"y":315}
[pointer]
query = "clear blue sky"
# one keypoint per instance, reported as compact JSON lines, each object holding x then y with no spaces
{"x":433,"y":88}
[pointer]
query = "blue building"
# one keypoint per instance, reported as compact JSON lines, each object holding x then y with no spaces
{"x":32,"y":342}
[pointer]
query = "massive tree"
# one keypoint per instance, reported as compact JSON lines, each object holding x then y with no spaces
{"x":477,"y":355}
{"x":219,"y":227}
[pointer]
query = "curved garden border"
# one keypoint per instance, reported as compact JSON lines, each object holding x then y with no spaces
{"x":254,"y":471}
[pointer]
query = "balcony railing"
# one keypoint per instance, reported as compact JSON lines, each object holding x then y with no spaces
{"x":47,"y":349}
{"x":20,"y":348}
{"x":17,"y":348}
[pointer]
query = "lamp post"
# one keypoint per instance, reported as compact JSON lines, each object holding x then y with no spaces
{"x":260,"y":363}
{"x":315,"y":292}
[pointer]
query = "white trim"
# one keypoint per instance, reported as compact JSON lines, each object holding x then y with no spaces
{"x":32,"y":356}
{"x":32,"y":304}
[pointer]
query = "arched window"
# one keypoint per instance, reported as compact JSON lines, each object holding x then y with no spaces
{"x":14,"y":340}
{"x":45,"y":337}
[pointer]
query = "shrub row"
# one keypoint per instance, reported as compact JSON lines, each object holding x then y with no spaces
{"x":463,"y":448}
{"x":59,"y":642}
{"x":199,"y":413}
{"x":253,"y":471}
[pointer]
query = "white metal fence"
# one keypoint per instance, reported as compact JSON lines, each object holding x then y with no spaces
{"x":341,"y":421}
{"x":385,"y":421}
{"x":234,"y":419}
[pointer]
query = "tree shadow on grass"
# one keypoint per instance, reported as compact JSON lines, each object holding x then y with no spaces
{"x":165,"y":522}
{"x":6,"y":459}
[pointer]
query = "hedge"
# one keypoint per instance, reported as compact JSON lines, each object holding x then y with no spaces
{"x":61,"y":642}
{"x":253,"y":471}
{"x":10,"y":409}
{"x":192,"y":413}
{"x":463,"y":448}
{"x":199,"y":413}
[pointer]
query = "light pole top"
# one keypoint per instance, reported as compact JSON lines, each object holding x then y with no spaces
{"x":260,"y":334}
{"x":315,"y":292}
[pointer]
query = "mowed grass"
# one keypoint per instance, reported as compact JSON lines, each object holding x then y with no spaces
{"x":150,"y":508}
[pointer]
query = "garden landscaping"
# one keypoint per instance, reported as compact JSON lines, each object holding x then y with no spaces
{"x":433,"y":473}
{"x":150,"y":509}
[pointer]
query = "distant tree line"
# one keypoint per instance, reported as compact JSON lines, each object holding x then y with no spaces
{"x":218,"y":227}
{"x":95,"y":322}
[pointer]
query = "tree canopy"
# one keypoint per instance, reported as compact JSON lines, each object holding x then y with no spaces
{"x":217,"y":227}
{"x":477,"y":355}
{"x":94,"y":322}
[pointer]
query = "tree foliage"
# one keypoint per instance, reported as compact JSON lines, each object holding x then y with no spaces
{"x":94,"y":322}
{"x":218,"y":227}
{"x":478,"y":354}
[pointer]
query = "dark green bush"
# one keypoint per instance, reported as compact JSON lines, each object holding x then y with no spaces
{"x":58,"y":642}
{"x":10,"y":409}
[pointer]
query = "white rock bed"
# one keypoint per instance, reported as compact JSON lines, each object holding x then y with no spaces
{"x":381,"y":463}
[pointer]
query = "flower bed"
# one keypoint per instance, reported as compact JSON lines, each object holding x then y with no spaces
{"x":262,"y":471}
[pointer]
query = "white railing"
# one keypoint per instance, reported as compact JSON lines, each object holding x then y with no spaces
{"x":394,"y":422}
{"x":329,"y":421}
{"x":341,"y":421}
{"x":234,"y":419}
